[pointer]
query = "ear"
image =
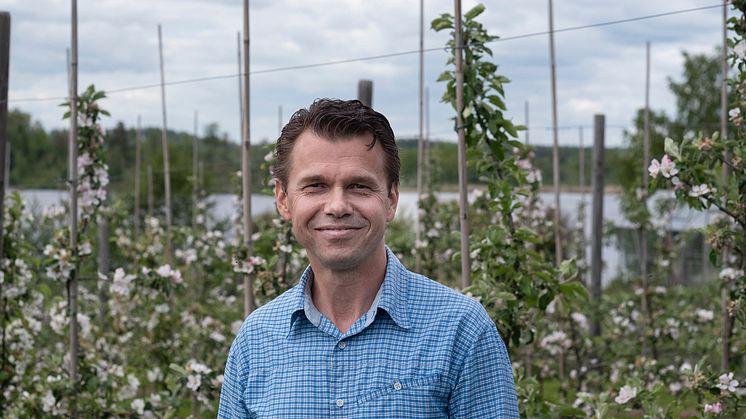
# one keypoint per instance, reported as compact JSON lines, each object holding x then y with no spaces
{"x":281,"y":201}
{"x":393,"y":201}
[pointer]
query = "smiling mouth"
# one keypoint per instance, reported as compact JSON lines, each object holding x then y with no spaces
{"x":337,"y":232}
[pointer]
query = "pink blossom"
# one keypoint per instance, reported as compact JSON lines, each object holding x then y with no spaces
{"x":715,"y":408}
{"x":668,"y":167}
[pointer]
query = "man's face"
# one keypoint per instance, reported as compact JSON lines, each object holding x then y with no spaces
{"x":337,"y":199}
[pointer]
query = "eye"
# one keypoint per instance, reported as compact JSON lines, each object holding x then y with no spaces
{"x":313,"y":186}
{"x":359,"y":186}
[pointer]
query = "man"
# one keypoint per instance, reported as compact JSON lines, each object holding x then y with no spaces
{"x":359,"y":336}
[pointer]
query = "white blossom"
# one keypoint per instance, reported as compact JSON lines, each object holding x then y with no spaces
{"x":704,"y":315}
{"x":138,"y":405}
{"x":654,"y":168}
{"x":699,"y":190}
{"x":668,"y":167}
{"x":626,"y":394}
{"x":48,"y":402}
{"x":122,"y":283}
{"x":727,"y":383}
{"x":194,"y":381}
{"x":730,"y":274}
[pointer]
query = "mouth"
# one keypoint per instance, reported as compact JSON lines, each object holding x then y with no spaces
{"x":337,"y":231}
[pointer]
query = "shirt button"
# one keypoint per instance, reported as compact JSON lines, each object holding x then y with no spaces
{"x":340,"y":402}
{"x":342,"y":345}
{"x":397,"y":385}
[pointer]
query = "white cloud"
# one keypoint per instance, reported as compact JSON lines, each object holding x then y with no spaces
{"x":598,"y":69}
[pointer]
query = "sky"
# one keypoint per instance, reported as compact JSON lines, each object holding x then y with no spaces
{"x":599,"y":69}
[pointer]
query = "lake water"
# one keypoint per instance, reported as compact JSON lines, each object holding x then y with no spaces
{"x":224,"y":205}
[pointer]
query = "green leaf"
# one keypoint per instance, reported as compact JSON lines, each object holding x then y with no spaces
{"x":505,"y":296}
{"x":445,"y":76}
{"x":574,"y":290}
{"x":474,"y":12}
{"x":442,"y":22}
{"x":495,"y":100}
{"x":672,"y":149}
{"x":510,"y":128}
{"x":568,"y":268}
{"x":714,"y":257}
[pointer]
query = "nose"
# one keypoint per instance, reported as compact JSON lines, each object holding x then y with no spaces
{"x":338,"y":204}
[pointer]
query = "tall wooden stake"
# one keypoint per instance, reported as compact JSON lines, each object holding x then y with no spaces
{"x":279,"y":120}
{"x":246,"y":163}
{"x":166,"y":167}
{"x":151,"y":198}
{"x":420,"y":144}
{"x":525,"y":114}
{"x":555,"y":143}
{"x":365,"y":92}
{"x":72,"y":151}
{"x":647,"y":345}
{"x":4,"y":145}
{"x":581,"y":167}
{"x":195,"y":169}
{"x":597,"y":218}
{"x":463,"y":203}
{"x":6,"y":171}
{"x":138,"y":170}
{"x":240,"y":81}
{"x":428,"y":151}
{"x":726,"y":323}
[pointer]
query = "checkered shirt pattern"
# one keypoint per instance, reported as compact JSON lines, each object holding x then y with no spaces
{"x":421,"y":351}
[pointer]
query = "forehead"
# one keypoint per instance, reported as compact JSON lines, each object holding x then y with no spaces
{"x":316,"y":155}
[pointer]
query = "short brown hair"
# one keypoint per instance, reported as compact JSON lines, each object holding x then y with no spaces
{"x":336,"y":119}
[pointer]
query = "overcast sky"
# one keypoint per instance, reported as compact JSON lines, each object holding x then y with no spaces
{"x":599,"y":70}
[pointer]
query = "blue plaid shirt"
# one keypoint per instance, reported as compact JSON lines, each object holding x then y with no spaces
{"x":421,"y":351}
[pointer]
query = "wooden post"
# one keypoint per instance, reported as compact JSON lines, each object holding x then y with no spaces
{"x":166,"y":167}
{"x":151,"y":199}
{"x":555,"y":144}
{"x":525,"y":114}
{"x":138,"y":169}
{"x":581,"y":166}
{"x":279,"y":120}
{"x":365,"y":92}
{"x":647,"y":346}
{"x":195,"y":169}
{"x":597,"y":181}
{"x":240,"y":81}
{"x":420,"y":144}
{"x":6,"y":171}
{"x":726,"y":323}
{"x":463,"y":203}
{"x":4,"y":145}
{"x":428,"y":151}
{"x":72,"y":151}
{"x":246,"y":163}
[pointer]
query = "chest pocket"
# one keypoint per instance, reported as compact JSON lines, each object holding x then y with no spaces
{"x":420,"y":396}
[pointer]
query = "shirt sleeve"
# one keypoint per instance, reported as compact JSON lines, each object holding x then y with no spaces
{"x":485,"y":386}
{"x":234,"y":383}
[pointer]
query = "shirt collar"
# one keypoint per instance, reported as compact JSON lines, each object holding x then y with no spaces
{"x":391,"y":297}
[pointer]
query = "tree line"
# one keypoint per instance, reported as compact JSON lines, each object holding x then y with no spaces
{"x":38,"y":156}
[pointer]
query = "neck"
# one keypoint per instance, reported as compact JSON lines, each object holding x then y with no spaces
{"x":343,"y":297}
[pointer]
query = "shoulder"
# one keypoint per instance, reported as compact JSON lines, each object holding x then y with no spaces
{"x":429,"y":301}
{"x":269,"y":320}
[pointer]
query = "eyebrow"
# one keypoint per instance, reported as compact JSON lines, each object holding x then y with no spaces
{"x":368,"y":180}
